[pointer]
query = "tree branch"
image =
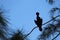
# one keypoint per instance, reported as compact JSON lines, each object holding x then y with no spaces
{"x":42,"y":24}
{"x":56,"y":36}
{"x":51,"y":20}
{"x":30,"y":32}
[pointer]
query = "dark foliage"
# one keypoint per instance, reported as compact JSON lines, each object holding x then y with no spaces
{"x":50,"y":1}
{"x":18,"y":36}
{"x":54,"y":9}
{"x":3,"y":26}
{"x":50,"y":30}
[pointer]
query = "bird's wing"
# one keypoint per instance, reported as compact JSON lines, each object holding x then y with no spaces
{"x":35,"y":22}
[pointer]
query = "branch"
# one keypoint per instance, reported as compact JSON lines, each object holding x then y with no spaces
{"x":42,"y":24}
{"x":30,"y":32}
{"x":51,"y":20}
{"x":56,"y":36}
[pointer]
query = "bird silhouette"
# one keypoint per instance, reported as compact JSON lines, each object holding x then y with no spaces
{"x":38,"y":21}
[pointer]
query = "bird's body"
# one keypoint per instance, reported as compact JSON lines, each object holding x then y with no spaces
{"x":38,"y":22}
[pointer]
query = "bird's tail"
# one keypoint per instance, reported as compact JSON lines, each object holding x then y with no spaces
{"x":40,"y":29}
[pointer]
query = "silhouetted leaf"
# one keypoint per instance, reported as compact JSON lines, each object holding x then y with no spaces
{"x":17,"y":36}
{"x":54,"y":9}
{"x":50,"y":1}
{"x":3,"y":26}
{"x":50,"y":30}
{"x":3,"y":21}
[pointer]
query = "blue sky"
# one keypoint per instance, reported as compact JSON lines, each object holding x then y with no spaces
{"x":22,"y":14}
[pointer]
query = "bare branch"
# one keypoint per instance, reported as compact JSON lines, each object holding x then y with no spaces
{"x":51,"y":20}
{"x":56,"y":36}
{"x":42,"y":24}
{"x":30,"y":32}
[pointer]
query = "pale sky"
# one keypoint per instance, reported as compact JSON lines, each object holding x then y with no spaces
{"x":22,"y":14}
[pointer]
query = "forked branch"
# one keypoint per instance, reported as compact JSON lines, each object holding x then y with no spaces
{"x":56,"y":36}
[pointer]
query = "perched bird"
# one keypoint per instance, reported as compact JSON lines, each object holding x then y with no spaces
{"x":38,"y":21}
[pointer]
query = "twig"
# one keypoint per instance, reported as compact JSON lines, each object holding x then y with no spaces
{"x":30,"y":32}
{"x":56,"y":36}
{"x":51,"y":20}
{"x":42,"y":24}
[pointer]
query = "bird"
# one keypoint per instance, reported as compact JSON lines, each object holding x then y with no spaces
{"x":38,"y":21}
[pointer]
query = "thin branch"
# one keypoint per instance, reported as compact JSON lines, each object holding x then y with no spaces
{"x":42,"y":24}
{"x":30,"y":32}
{"x":51,"y":20}
{"x":56,"y":36}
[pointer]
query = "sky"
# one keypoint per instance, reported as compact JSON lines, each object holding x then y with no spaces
{"x":22,"y":13}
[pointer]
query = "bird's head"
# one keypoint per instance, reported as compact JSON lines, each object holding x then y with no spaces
{"x":37,"y":13}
